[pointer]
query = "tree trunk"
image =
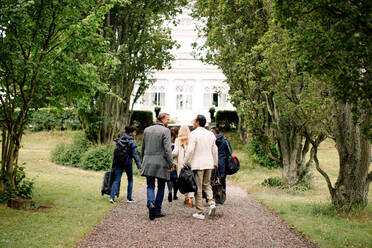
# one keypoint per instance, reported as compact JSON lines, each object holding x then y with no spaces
{"x":115,"y":114}
{"x":242,"y":127}
{"x":9,"y":156}
{"x":291,"y":145}
{"x":293,"y":151}
{"x":352,"y":185}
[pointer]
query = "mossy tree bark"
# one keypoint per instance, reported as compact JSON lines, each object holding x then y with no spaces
{"x":352,"y":185}
{"x":292,"y":144}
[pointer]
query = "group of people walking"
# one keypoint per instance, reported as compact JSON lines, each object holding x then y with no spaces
{"x":165,"y":152}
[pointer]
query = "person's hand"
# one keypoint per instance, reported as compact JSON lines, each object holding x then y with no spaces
{"x":215,"y":166}
{"x":140,"y":170}
{"x":171,"y":170}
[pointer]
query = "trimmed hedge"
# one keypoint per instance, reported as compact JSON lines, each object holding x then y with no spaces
{"x":227,"y":120}
{"x":141,"y":119}
{"x":53,"y":118}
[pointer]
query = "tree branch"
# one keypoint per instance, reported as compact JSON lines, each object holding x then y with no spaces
{"x":38,"y":26}
{"x":305,"y":149}
{"x":315,"y":145}
{"x":19,"y":42}
{"x":311,"y":10}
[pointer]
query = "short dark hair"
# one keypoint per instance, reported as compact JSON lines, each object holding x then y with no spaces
{"x":130,"y":129}
{"x":216,"y":130}
{"x":201,"y":119}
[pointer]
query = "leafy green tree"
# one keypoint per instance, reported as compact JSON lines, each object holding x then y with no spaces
{"x":34,"y":70}
{"x":276,"y":104}
{"x":139,"y":42}
{"x":333,"y":42}
{"x":294,"y":101}
{"x":230,"y":29}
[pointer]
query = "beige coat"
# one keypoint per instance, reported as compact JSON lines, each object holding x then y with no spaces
{"x":202,"y":153}
{"x":179,"y":155}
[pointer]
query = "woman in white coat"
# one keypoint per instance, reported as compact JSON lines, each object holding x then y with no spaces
{"x":178,"y":153}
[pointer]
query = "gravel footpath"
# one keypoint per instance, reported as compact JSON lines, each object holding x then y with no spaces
{"x":240,"y":222}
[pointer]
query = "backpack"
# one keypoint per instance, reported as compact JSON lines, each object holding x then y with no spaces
{"x":121,"y":153}
{"x":232,"y":162}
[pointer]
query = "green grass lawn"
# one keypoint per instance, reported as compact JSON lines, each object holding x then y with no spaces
{"x":78,"y":205}
{"x":74,"y":194}
{"x":309,"y":211}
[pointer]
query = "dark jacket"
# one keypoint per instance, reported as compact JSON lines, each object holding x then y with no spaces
{"x":132,"y":152}
{"x":156,"y":152}
{"x":223,"y":152}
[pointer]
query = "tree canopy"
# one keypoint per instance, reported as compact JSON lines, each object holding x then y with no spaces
{"x":34,"y":68}
{"x":139,"y":41}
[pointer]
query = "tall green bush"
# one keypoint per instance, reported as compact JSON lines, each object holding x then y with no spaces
{"x":141,"y":119}
{"x":227,"y":120}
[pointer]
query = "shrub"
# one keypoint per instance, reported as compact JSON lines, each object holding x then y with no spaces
{"x":141,"y":119}
{"x":81,"y":153}
{"x":53,"y":118}
{"x":97,"y":158}
{"x":70,"y":154}
{"x":58,"y":155}
{"x":227,"y":120}
{"x":23,"y":186}
{"x":257,"y":151}
{"x":278,"y":182}
{"x":273,"y":182}
{"x":42,"y":119}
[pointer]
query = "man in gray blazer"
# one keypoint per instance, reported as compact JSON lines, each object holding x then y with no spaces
{"x":157,"y":162}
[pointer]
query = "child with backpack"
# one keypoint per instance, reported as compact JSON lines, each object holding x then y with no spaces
{"x":125,"y":151}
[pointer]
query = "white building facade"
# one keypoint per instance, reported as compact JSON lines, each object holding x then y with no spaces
{"x":190,"y":87}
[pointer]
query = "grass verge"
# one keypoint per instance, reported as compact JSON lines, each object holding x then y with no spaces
{"x":310,"y":211}
{"x":74,"y":194}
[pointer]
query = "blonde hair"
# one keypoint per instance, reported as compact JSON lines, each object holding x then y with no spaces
{"x":183,"y":136}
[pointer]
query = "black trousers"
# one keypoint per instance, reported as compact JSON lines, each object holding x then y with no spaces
{"x":172,"y":185}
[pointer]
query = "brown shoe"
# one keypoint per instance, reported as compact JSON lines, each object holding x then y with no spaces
{"x":186,"y":200}
{"x":190,"y":203}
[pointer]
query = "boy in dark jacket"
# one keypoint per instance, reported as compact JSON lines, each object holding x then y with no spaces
{"x":127,"y":166}
{"x":223,"y":151}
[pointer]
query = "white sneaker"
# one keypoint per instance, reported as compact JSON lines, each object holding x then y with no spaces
{"x":198,"y":216}
{"x":131,"y":201}
{"x":212,"y":210}
{"x":112,"y":201}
